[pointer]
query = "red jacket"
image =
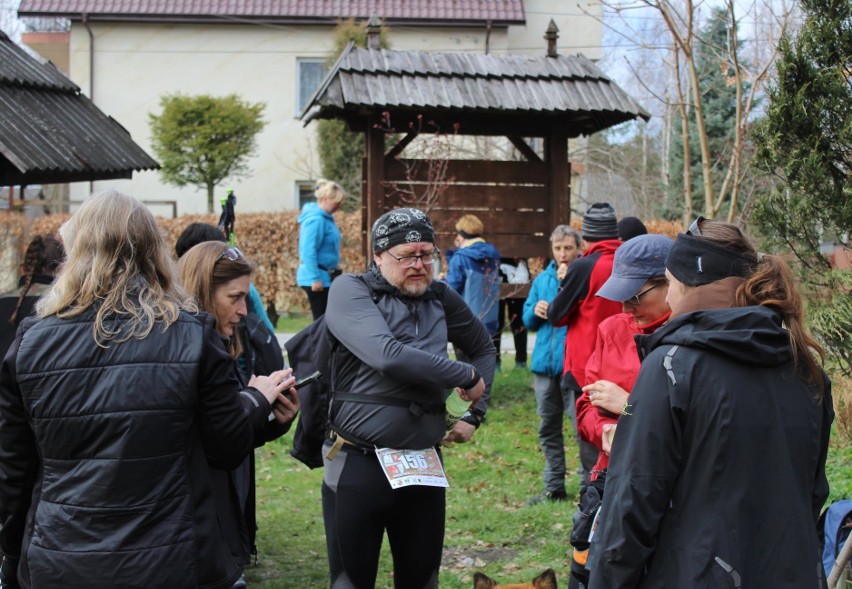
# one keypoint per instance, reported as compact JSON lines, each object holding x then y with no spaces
{"x":615,"y":359}
{"x":577,"y":306}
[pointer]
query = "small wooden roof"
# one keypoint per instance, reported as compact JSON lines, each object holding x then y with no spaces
{"x":488,"y":94}
{"x":51,"y":133}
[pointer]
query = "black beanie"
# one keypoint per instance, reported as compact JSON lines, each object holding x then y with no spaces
{"x":599,"y":223}
{"x":630,"y":227}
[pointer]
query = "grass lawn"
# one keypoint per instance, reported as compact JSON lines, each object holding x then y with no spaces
{"x":293,"y":322}
{"x":489,"y":527}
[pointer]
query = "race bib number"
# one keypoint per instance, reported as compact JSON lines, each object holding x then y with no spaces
{"x":412,"y":467}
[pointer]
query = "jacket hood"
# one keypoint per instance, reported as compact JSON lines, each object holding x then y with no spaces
{"x":481,"y":250}
{"x":749,"y":335}
{"x":312,"y":209}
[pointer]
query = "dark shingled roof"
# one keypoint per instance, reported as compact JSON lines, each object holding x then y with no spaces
{"x":50,"y":133}
{"x":380,"y":79}
{"x":501,"y":13}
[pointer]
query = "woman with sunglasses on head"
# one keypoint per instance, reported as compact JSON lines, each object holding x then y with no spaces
{"x":639,"y":283}
{"x":112,"y":404}
{"x":218,"y":276}
{"x":717,"y":472}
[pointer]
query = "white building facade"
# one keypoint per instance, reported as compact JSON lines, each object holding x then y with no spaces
{"x":127,"y":65}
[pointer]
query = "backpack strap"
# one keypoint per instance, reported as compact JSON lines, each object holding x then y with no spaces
{"x":416,"y":407}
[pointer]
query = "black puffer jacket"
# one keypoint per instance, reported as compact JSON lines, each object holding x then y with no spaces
{"x":717,"y":472}
{"x":111,"y":446}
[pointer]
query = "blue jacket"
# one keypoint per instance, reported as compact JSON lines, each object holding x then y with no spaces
{"x":319,"y":246}
{"x":474,"y":272}
{"x":549,"y":351}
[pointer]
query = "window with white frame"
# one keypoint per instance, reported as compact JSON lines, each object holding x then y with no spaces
{"x":310,"y":74}
{"x":305,"y":192}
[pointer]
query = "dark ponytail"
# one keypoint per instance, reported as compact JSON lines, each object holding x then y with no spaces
{"x":771,"y":283}
{"x":43,"y":257}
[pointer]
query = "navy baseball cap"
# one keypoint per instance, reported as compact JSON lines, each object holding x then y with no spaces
{"x":636,"y":261}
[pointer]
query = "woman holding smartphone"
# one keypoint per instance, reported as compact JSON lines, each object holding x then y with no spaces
{"x":115,"y":403}
{"x":218,"y":276}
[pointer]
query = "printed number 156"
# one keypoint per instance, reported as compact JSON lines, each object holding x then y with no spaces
{"x":414,"y":461}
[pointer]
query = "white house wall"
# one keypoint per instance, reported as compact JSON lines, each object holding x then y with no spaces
{"x":136,"y":64}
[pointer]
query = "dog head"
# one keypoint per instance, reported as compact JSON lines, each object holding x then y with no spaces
{"x":546,"y":580}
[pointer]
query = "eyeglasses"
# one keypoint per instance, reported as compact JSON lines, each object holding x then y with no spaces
{"x":695,"y":227}
{"x":636,"y":299}
{"x":426,"y":259}
{"x":232,"y":253}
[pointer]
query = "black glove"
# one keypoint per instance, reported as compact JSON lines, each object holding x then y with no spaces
{"x":9,"y":573}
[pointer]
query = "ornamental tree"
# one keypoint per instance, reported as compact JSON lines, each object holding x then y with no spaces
{"x":202,"y":140}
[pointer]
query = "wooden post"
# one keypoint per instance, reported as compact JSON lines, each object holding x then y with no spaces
{"x":556,"y":155}
{"x":374,"y":195}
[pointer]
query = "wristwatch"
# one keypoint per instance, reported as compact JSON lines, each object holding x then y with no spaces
{"x":472,"y":417}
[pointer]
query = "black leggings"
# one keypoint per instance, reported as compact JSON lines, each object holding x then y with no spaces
{"x":358,"y":505}
{"x":318,"y":301}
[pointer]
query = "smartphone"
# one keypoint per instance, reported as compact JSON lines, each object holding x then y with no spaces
{"x":311,"y":378}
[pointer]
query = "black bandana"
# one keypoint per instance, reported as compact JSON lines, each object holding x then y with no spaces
{"x":401,"y":226}
{"x":467,"y":235}
{"x":695,"y":261}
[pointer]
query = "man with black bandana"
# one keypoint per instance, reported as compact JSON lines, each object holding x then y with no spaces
{"x":390,"y":375}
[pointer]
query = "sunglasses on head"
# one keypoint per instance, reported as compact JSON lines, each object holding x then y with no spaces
{"x":695,"y":227}
{"x":231,"y":253}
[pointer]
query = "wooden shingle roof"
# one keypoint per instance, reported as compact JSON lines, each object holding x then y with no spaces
{"x":501,"y":13}
{"x":52,"y":133}
{"x":571,"y":88}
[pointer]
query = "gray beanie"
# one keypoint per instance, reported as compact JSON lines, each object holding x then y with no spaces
{"x":599,"y":223}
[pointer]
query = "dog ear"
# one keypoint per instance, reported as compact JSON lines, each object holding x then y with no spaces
{"x":546,"y":580}
{"x":482,"y":581}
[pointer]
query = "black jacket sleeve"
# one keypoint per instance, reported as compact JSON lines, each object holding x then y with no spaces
{"x":820,"y":492}
{"x":644,"y":465}
{"x":572,"y":291}
{"x":19,"y":460}
{"x":227,"y":416}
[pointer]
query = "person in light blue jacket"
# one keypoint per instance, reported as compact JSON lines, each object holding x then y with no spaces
{"x":319,"y":245}
{"x":473,"y":271}
{"x":547,"y":357}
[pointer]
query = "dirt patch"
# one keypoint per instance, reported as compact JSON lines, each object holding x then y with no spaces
{"x":475,"y":557}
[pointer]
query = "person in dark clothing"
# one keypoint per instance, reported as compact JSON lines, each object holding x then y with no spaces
{"x":577,"y":307}
{"x":390,"y":375}
{"x":112,"y":403}
{"x":717,"y":470}
{"x":218,"y":276}
{"x":42,"y":258}
{"x":228,"y":216}
{"x":513,"y":271}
